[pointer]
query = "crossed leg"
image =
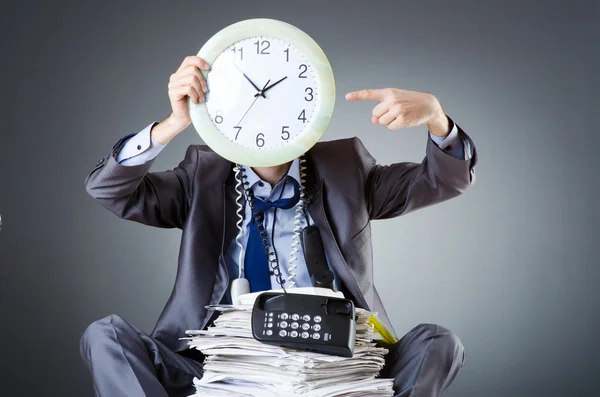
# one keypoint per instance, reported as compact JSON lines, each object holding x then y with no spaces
{"x":125,"y":361}
{"x":424,"y":362}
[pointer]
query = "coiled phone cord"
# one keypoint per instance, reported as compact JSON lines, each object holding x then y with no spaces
{"x":240,"y":216}
{"x":298,"y":224}
{"x":241,"y":188}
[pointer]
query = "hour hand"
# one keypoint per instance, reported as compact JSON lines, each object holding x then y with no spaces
{"x":271,"y":86}
{"x":251,"y":82}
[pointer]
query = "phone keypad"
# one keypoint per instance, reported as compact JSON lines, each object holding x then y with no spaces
{"x":299,"y":325}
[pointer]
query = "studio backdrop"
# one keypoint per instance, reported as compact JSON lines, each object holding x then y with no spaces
{"x":511,"y":266}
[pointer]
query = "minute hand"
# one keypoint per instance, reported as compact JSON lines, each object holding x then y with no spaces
{"x":272,"y":85}
{"x":248,"y":78}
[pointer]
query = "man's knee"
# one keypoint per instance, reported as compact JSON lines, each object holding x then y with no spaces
{"x":447,"y":343}
{"x":98,"y":335}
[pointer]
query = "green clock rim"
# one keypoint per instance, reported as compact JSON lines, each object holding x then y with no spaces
{"x":257,"y":157}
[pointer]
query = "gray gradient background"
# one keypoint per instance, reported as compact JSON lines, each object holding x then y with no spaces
{"x":511,"y":266}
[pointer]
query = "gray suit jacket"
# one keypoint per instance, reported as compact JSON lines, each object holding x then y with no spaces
{"x":346,"y":189}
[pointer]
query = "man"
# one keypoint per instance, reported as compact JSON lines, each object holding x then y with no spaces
{"x":345,"y":189}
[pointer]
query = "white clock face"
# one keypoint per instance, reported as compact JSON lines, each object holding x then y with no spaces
{"x":262,"y":93}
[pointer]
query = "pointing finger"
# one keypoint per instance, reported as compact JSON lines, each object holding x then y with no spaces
{"x":369,"y":95}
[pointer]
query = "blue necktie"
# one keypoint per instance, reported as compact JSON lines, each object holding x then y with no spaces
{"x":256,"y":263}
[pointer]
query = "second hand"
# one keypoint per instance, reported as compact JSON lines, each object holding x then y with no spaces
{"x":255,"y":98}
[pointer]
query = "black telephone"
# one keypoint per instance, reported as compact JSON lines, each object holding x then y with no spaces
{"x":307,"y":322}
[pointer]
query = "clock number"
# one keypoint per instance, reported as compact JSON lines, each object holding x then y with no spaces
{"x":238,"y":131}
{"x":260,"y":142}
{"x":302,"y":116}
{"x":309,"y":91}
{"x":303,"y":71}
{"x":262,"y":51}
{"x":241,"y":51}
{"x":219,"y":117}
{"x":283,"y":131}
{"x":287,"y":56}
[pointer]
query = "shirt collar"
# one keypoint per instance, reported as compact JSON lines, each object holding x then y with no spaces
{"x":293,"y":172}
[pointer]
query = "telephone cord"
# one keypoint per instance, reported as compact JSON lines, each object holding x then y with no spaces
{"x":298,"y":224}
{"x":243,"y":189}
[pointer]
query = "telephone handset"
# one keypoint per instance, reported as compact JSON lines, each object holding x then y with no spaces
{"x":316,"y":263}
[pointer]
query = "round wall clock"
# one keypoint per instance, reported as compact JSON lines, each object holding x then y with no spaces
{"x":271,"y":93}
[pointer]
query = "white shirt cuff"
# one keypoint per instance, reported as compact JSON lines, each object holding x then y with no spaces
{"x":453,"y":145}
{"x":444,"y":141}
{"x":140,"y":148}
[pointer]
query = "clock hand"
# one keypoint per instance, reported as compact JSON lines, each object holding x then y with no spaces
{"x":248,"y":78}
{"x":271,"y":86}
{"x":255,"y":98}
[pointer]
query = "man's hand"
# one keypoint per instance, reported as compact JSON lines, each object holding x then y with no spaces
{"x":402,"y":108}
{"x":186,"y":82}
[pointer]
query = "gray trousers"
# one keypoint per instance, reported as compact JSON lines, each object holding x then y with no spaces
{"x":125,"y":361}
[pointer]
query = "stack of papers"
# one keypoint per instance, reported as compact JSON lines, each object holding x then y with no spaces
{"x":237,"y":365}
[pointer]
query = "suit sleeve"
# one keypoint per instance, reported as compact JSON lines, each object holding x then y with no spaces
{"x":159,"y":199}
{"x":399,"y":188}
